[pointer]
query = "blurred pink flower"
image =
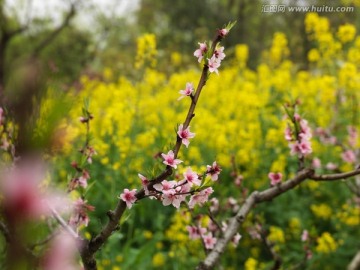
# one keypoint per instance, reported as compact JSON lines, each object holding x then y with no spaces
{"x":331,"y":166}
{"x":235,"y":240}
{"x":23,"y":197}
{"x":79,"y":216}
{"x":304,"y":236}
{"x":201,"y":197}
{"x":213,"y":171}
{"x":348,"y":156}
{"x":62,"y":253}
{"x":316,"y":163}
{"x":195,"y":232}
{"x":209,"y":240}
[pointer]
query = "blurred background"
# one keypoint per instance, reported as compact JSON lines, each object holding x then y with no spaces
{"x":129,"y":59}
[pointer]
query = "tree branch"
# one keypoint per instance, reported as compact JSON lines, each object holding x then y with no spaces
{"x":47,"y":40}
{"x":90,"y":248}
{"x":355,"y":262}
{"x":5,"y":232}
{"x":258,"y":197}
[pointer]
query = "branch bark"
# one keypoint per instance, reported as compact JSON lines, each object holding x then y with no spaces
{"x":258,"y":197}
{"x":355,"y":262}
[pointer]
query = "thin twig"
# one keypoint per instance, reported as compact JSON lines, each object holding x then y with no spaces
{"x":63,"y":223}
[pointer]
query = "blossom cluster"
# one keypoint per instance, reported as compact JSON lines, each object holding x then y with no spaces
{"x":208,"y":235}
{"x":299,"y":137}
{"x":175,"y":192}
{"x":212,"y":61}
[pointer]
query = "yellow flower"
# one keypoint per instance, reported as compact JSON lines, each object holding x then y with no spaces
{"x":158,"y":260}
{"x":326,"y":243}
{"x":242,"y":54}
{"x":321,"y":210}
{"x":346,"y":33}
{"x":251,"y":264}
{"x":276,"y":235}
{"x":313,"y":55}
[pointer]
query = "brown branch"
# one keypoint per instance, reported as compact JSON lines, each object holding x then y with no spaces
{"x":5,"y":232}
{"x":270,"y":246}
{"x":89,"y":248}
{"x":355,"y":262}
{"x":335,"y":176}
{"x":258,"y":197}
{"x":47,"y":40}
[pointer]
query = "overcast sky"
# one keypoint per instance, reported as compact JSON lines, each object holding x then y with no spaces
{"x":55,"y":8}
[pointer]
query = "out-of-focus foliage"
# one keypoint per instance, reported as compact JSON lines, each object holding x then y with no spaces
{"x":240,"y":123}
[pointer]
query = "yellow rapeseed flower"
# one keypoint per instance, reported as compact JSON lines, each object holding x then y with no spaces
{"x":326,"y":243}
{"x":346,"y":33}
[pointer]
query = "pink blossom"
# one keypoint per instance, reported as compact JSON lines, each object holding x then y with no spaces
{"x":129,"y":197}
{"x":169,"y":159}
{"x":238,"y":180}
{"x":79,"y":215}
{"x":165,"y":186}
{"x":213,"y":171}
{"x":170,"y":197}
{"x":213,"y":64}
{"x":224,"y":226}
{"x":305,"y":147}
{"x":275,"y":178}
{"x":305,"y":133}
{"x":195,"y":232}
{"x":353,"y":135}
{"x":304,"y":236}
{"x":288,"y":134}
{"x":22,"y":198}
{"x":331,"y":166}
{"x":316,"y":163}
{"x":185,"y":135}
{"x":199,"y":53}
{"x":201,"y":197}
{"x":219,"y":53}
{"x":191,"y":177}
{"x":302,"y":148}
{"x":189,"y":89}
{"x":144,"y":183}
{"x":223,"y":32}
{"x":214,"y":207}
{"x":83,"y":178}
{"x":348,"y":156}
{"x":235,"y":240}
{"x":209,"y":241}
